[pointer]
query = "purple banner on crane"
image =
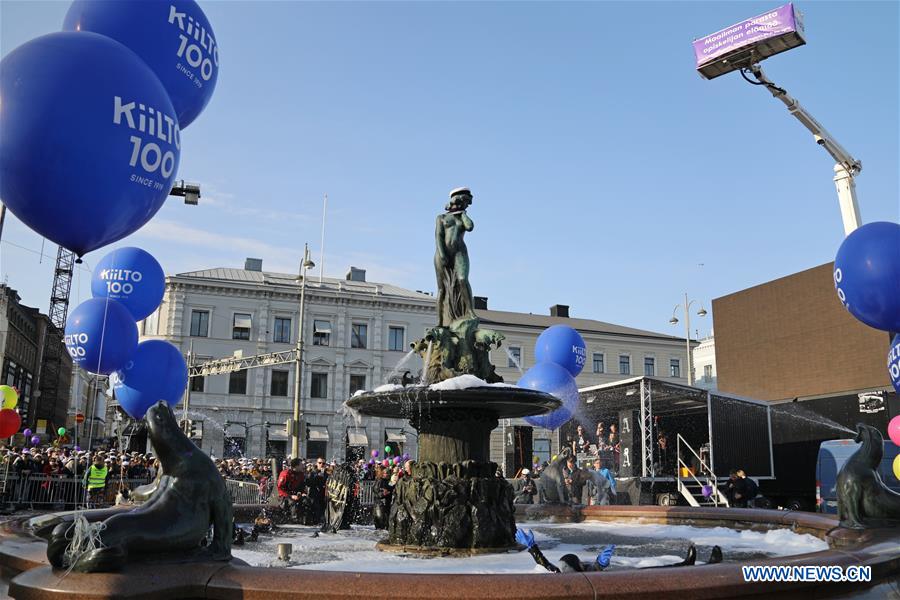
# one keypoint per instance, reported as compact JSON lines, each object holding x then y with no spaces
{"x":767,"y":34}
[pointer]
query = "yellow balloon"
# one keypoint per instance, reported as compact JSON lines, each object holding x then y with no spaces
{"x":897,"y":466}
{"x":554,"y":457}
{"x":10,"y":396}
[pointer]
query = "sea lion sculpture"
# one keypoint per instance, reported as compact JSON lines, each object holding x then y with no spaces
{"x":863,"y":499}
{"x":552,"y":482}
{"x":173,"y":523}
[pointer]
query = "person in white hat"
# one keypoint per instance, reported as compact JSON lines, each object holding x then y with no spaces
{"x":525,"y":490}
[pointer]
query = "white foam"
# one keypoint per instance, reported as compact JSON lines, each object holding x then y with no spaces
{"x":388,"y":387}
{"x":355,"y":550}
{"x":465,"y":382}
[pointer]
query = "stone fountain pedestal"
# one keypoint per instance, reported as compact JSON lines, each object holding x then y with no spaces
{"x":454,"y":499}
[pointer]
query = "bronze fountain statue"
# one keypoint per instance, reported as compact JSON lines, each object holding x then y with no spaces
{"x":455,"y":498}
{"x":457,"y":345}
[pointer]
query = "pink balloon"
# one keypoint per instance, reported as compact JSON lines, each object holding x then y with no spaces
{"x":894,"y":430}
{"x":385,"y":463}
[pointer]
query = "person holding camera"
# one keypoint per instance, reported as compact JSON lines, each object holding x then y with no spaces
{"x":290,"y":488}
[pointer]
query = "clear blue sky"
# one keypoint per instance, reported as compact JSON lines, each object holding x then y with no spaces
{"x":605,"y":170}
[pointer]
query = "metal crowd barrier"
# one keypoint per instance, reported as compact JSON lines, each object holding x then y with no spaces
{"x":249,"y":492}
{"x":367,"y":492}
{"x":37,"y":491}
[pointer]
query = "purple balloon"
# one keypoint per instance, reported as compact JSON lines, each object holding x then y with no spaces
{"x":707,"y":491}
{"x":77,"y":448}
{"x":27,"y":433}
{"x":374,"y":453}
{"x":35,"y":440}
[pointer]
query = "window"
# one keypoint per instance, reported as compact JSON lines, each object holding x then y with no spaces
{"x":321,"y":333}
{"x":357,"y":382}
{"x":649,"y":366}
{"x":279,"y":383}
{"x":319,"y":385}
{"x":624,"y":364}
{"x":358,"y":335}
{"x":241,"y":327}
{"x":282,"y":331}
{"x":198,"y":384}
{"x":515,"y":357}
{"x":541,"y":449}
{"x":199,"y":323}
{"x":599,"y":366}
{"x":707,"y":372}
{"x":237,"y":382}
{"x":674,"y":367}
{"x":395,"y":338}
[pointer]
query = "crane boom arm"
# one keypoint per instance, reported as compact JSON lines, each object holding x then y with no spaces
{"x":822,"y":137}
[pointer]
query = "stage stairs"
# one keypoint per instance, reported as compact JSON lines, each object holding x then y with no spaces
{"x":691,"y":484}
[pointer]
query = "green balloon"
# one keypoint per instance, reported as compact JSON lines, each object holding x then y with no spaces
{"x":387,"y":449}
{"x":61,"y":431}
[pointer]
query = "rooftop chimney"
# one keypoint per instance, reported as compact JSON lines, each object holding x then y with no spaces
{"x":355,"y":274}
{"x":559,"y":310}
{"x":481,"y":302}
{"x":253,"y":264}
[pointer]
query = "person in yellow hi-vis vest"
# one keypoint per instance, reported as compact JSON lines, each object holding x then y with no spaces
{"x":95,"y":481}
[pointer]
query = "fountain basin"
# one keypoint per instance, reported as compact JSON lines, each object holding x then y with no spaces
{"x":504,"y":401}
{"x":454,"y":425}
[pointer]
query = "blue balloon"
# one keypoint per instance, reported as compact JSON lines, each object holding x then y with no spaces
{"x":893,"y":362}
{"x":562,"y":345}
{"x":89,"y":141}
{"x":101,"y":335}
{"x":555,"y":380}
{"x":173,"y":37}
{"x":156,"y":371}
{"x":132,"y":277}
{"x":867,"y":275}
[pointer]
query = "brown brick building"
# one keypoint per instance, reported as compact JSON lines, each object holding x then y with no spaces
{"x":791,"y":338}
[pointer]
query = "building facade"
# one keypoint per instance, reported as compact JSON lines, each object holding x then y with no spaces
{"x":791,"y":338}
{"x":357,"y":336}
{"x":24,"y":354}
{"x":704,"y":360}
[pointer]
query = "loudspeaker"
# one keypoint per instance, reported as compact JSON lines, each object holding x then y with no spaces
{"x":629,"y":443}
{"x":517,"y":449}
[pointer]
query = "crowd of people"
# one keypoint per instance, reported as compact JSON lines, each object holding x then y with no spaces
{"x":96,"y":478}
{"x":70,"y":476}
{"x":590,"y":485}
{"x":302,"y":483}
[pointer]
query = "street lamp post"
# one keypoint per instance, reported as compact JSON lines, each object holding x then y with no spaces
{"x":305,"y":265}
{"x":687,"y":330}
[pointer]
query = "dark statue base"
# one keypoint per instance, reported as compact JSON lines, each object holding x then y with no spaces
{"x":460,"y":506}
